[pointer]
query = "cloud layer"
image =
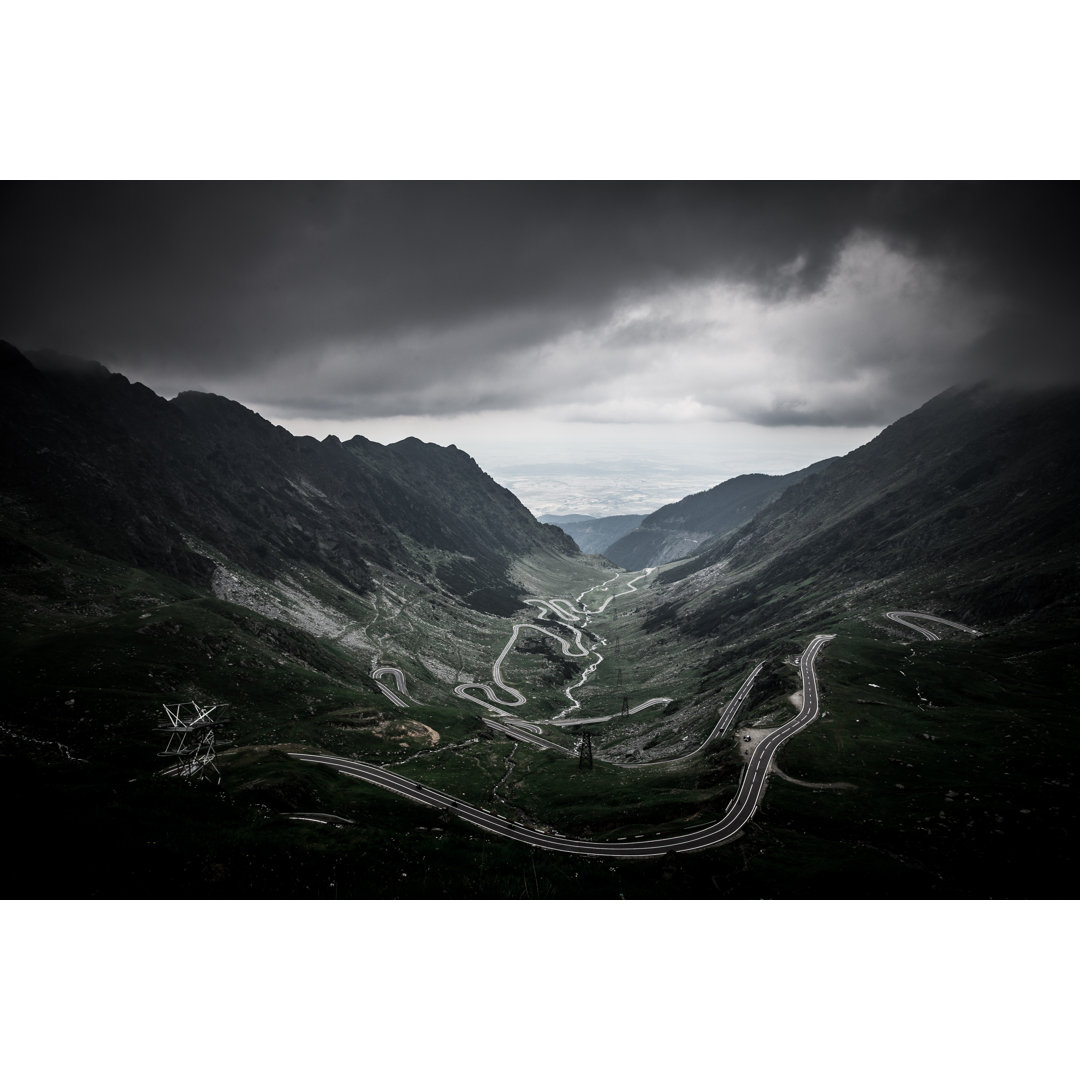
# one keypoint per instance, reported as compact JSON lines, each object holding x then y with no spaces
{"x":781,"y":304}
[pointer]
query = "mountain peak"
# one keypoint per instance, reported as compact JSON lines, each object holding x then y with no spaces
{"x":50,"y":362}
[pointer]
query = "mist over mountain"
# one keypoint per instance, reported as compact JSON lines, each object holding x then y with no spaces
{"x":594,"y":535}
{"x":564,"y":519}
{"x":677,"y":530}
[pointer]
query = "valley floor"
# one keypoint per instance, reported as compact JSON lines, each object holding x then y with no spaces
{"x":934,"y":769}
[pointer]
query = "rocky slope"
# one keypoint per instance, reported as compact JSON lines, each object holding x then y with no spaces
{"x":175,"y":486}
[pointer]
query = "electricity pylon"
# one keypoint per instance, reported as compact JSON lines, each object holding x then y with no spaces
{"x":585,"y":751}
{"x":191,"y":739}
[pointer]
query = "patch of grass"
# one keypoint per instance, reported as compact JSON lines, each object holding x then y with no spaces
{"x":960,"y":755}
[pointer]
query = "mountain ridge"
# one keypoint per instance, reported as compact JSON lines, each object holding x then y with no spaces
{"x":932,"y":505}
{"x":112,"y":465}
{"x":677,"y":530}
{"x":594,"y":535}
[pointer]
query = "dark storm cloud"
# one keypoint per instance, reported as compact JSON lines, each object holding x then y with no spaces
{"x":412,"y":295}
{"x":205,"y":272}
{"x":1019,"y":242}
{"x":799,"y":412}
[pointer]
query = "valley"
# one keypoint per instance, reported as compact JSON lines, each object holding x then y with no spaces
{"x":378,"y":622}
{"x":739,"y":811}
{"x":697,"y":792}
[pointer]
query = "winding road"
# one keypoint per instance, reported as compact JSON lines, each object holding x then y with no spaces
{"x":903,"y":616}
{"x":612,"y":716}
{"x":399,"y":678}
{"x":565,"y":613}
{"x":727,"y":715}
{"x":527,"y":733}
{"x":631,"y":586}
{"x":739,"y":812}
{"x":517,"y":698}
{"x":514,"y":728}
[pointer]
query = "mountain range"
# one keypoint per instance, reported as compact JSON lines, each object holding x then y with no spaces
{"x":679,"y":529}
{"x":161,"y":551}
{"x":178,"y":486}
{"x":594,"y":534}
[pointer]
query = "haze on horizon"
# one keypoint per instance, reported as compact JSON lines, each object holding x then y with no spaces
{"x":703,"y":328}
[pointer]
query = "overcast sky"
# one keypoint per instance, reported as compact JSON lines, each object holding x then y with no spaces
{"x":739,"y":326}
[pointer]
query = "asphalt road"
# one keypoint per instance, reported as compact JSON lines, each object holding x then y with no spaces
{"x":518,"y":698}
{"x":564,"y":612}
{"x":738,"y":814}
{"x":903,"y":616}
{"x":320,"y":818}
{"x":527,"y":734}
{"x":399,"y":678}
{"x":733,"y":706}
{"x":726,"y":717}
{"x":611,"y":716}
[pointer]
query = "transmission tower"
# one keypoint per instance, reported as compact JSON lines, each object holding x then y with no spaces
{"x":625,"y":707}
{"x":585,"y":751}
{"x":191,"y":739}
